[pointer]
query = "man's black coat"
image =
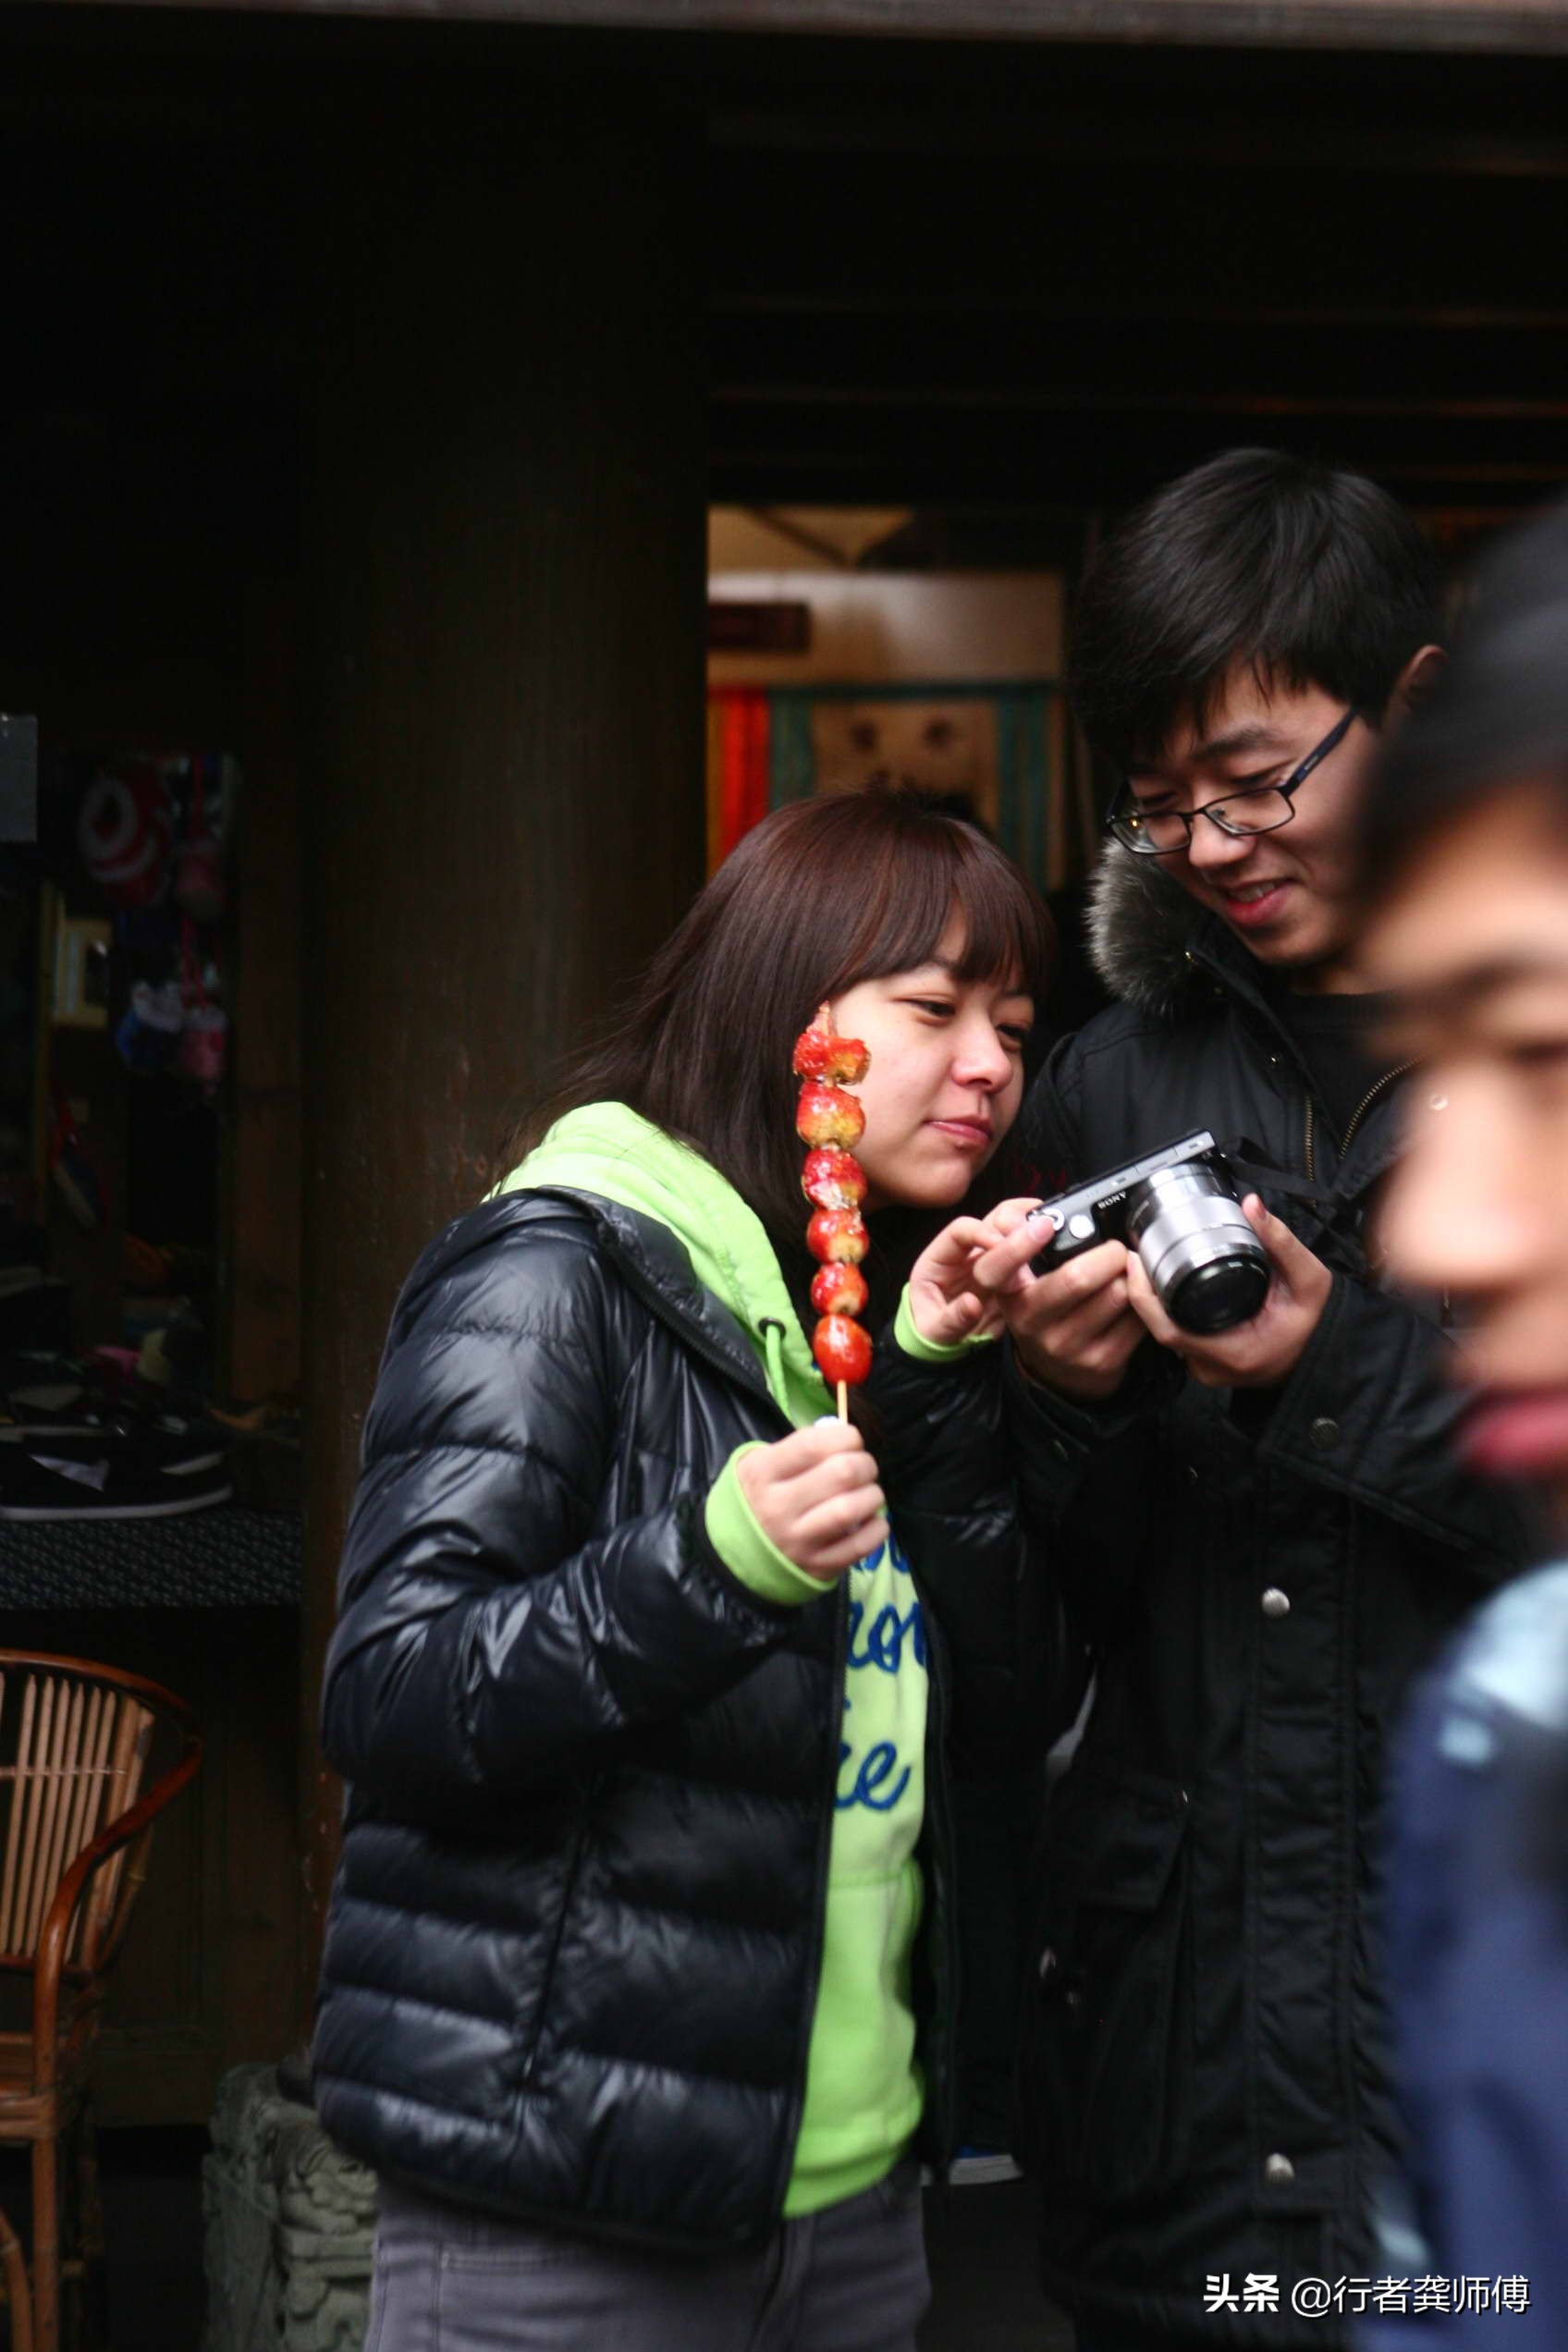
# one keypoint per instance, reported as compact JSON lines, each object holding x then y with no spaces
{"x":1259,"y":1576}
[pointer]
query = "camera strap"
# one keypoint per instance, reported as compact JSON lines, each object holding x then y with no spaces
{"x":1245,"y":1159}
{"x":1337,"y":1235}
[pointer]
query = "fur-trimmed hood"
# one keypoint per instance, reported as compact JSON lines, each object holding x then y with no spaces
{"x":1143,"y":931}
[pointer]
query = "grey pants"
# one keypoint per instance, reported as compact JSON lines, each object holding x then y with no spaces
{"x":850,"y":2279}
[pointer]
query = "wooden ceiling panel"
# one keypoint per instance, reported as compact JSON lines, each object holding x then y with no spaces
{"x":1104,"y":456}
{"x":1204,"y":355}
{"x":1141,"y":236}
{"x":1047,"y":275}
{"x":1082,"y":298}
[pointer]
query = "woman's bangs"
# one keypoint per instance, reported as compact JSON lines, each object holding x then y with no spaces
{"x":1007,"y":932}
{"x":922,"y":885}
{"x":905,"y":913}
{"x":885,"y":879}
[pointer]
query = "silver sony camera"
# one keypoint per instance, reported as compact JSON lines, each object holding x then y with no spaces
{"x":1180,"y":1211}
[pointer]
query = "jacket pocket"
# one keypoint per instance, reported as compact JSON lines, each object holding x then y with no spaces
{"x":537,"y":2024}
{"x":1105,"y":2082}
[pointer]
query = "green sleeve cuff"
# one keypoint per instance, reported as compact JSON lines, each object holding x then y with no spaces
{"x":745,"y":1550}
{"x":932,"y":1351}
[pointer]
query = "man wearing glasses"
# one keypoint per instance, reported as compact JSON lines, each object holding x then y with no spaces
{"x":1263,"y":1533}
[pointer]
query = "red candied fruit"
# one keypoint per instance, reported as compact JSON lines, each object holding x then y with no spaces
{"x":827,"y":1115}
{"x":833,"y":1179}
{"x":842,"y":1349}
{"x":839,"y":1290}
{"x":837,"y":1234}
{"x":820,"y":1054}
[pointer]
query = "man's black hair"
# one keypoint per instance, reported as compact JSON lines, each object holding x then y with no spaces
{"x":1311,"y":576}
{"x":1498,"y":716}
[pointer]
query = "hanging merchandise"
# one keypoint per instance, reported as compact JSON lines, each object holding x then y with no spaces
{"x":148,"y":937}
{"x":200,"y":887}
{"x":204,"y":1041}
{"x":77,"y":1179}
{"x":149,"y":1035}
{"x":124,"y":832}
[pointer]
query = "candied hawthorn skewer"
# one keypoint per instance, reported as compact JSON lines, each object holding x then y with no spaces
{"x":838,"y":1239}
{"x":829,"y":1115}
{"x":839,"y":1290}
{"x":837,"y":1235}
{"x":842,"y":1349}
{"x":830,"y":1120}
{"x":822,"y":1054}
{"x":833,"y":1179}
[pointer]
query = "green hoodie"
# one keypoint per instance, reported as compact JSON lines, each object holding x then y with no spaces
{"x":864,"y":2093}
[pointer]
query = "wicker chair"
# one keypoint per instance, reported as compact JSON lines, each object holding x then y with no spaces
{"x":79,"y":1790}
{"x":13,"y":2270}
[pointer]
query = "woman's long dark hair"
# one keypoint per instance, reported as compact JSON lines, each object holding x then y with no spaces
{"x":819,"y":896}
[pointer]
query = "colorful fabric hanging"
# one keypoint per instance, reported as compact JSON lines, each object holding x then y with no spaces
{"x":738,"y":767}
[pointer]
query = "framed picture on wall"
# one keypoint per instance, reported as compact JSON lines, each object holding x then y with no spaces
{"x":946,"y":747}
{"x":995,"y":752}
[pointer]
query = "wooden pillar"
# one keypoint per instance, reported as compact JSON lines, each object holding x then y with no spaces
{"x":503,"y":810}
{"x":261,"y":1204}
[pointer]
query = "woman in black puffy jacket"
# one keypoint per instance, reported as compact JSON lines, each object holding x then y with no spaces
{"x":639,"y":1949}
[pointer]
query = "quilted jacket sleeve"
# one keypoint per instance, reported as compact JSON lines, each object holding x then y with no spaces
{"x":489,"y":1639}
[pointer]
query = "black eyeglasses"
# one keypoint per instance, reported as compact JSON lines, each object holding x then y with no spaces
{"x":1162,"y":832}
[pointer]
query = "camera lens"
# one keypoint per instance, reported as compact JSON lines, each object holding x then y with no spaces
{"x":1208,"y":1267}
{"x":1217,"y":1297}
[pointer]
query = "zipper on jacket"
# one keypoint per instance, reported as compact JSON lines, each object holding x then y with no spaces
{"x":1362,"y":1107}
{"x":1309,"y":1137}
{"x":1370,"y":1097}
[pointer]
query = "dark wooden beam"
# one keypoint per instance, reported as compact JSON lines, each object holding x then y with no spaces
{"x":957,"y":361}
{"x":983,"y":308}
{"x":1149,"y":238}
{"x":947,"y":402}
{"x":1529,"y":27}
{"x":1474,"y":434}
{"x":1097,"y":462}
{"x":1358,"y":136}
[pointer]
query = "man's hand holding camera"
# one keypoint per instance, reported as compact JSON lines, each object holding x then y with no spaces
{"x":1264,"y":1352}
{"x":1077,"y":1327}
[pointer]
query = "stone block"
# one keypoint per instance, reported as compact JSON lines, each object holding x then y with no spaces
{"x":290,"y":2220}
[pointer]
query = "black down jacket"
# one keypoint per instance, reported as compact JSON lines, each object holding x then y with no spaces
{"x":1258,"y":1577}
{"x":572,"y":1954}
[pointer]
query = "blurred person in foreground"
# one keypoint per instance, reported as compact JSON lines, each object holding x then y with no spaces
{"x":1466,"y":878}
